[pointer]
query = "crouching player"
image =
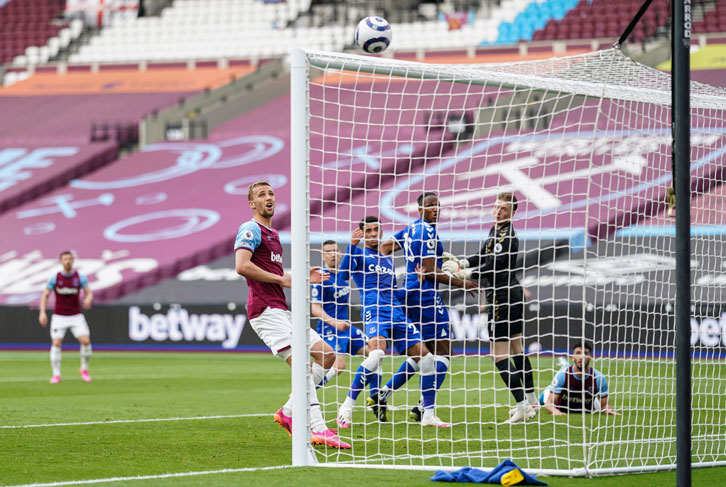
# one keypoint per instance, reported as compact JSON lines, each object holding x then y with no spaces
{"x":258,"y":257}
{"x":384,"y":320}
{"x":577,"y":387}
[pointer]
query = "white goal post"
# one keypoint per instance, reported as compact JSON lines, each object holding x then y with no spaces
{"x":584,"y":142}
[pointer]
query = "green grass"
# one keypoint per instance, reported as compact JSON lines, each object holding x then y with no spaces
{"x":133,"y":386}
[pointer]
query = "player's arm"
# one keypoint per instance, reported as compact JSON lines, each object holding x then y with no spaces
{"x":317,"y":310}
{"x":601,"y":385}
{"x":87,"y":294}
{"x":42,"y":316}
{"x":550,"y":404}
{"x":245,"y":267}
{"x":429,"y":270}
{"x":389,"y":246}
{"x":87,"y":297}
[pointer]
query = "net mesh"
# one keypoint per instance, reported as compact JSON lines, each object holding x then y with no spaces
{"x":584,"y":143}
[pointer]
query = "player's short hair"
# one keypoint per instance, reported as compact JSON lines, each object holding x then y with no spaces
{"x":65,"y":252}
{"x":584,"y":344}
{"x":251,"y":188}
{"x":422,"y":197}
{"x":329,"y":242}
{"x":510,"y":197}
{"x":367,"y":220}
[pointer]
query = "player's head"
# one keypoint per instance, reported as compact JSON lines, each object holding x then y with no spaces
{"x":261,"y":199}
{"x":504,"y":207}
{"x":331,"y":254}
{"x":428,"y":207}
{"x":582,"y":354}
{"x":371,"y":231}
{"x":66,"y":259}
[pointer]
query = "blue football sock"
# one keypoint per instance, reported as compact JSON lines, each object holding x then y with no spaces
{"x":428,"y":390}
{"x":441,"y":369}
{"x":374,"y":382}
{"x":358,"y":382}
{"x":402,"y":375}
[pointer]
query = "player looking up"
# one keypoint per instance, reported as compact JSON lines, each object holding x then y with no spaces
{"x":329,"y":303}
{"x":67,"y":285}
{"x":424,"y":305}
{"x":384,"y":320}
{"x":495,"y":268}
{"x":258,"y":257}
{"x":578,"y":387}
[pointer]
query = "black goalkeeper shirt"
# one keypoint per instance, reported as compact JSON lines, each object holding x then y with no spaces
{"x":495,"y":266}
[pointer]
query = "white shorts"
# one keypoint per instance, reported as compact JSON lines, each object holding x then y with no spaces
{"x":274,"y":327}
{"x":59,"y":324}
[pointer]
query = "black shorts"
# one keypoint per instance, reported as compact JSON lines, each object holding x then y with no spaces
{"x":506,"y":321}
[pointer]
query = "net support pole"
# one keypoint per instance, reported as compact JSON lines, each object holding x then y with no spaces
{"x":301,"y":454}
{"x":681,"y":113}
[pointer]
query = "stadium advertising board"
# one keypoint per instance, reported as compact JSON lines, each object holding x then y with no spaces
{"x":645,"y":330}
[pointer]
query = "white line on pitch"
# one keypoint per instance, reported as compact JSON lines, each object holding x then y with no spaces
{"x":150,"y":477}
{"x":118,"y":421}
{"x":101,"y":377}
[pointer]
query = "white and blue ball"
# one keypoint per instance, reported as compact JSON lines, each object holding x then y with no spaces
{"x":373,"y":34}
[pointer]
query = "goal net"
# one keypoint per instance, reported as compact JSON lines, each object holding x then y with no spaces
{"x":584,"y":143}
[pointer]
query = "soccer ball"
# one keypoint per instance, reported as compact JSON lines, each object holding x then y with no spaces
{"x":373,"y":34}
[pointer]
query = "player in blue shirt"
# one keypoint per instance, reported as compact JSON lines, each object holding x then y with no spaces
{"x":384,"y":320}
{"x":424,"y":306}
{"x":578,"y":387}
{"x":329,"y":303}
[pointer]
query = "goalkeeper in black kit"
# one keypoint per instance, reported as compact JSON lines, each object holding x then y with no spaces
{"x":495,"y":269}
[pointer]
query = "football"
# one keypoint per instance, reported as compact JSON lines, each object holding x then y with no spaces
{"x":373,"y":34}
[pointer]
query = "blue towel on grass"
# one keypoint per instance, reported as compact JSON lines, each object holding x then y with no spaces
{"x":506,"y":473}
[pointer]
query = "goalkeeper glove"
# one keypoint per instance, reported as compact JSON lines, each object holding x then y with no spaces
{"x":449,"y":257}
{"x":452,"y":267}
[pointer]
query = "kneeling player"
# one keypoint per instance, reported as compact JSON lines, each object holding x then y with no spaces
{"x":329,"y":303}
{"x":385,"y":320}
{"x":577,"y":387}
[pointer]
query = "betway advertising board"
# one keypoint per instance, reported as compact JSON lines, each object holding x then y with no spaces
{"x":644,"y":331}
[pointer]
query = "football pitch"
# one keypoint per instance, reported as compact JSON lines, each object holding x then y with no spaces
{"x":206,"y":419}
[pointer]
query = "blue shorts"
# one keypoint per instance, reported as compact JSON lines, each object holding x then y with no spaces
{"x":348,"y":341}
{"x":431,"y":319}
{"x":392,"y":324}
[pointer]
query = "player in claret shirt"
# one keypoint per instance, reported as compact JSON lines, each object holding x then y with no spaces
{"x":578,"y":387}
{"x":67,"y":285}
{"x":258,"y":257}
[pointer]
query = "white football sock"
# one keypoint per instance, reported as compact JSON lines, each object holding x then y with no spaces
{"x":55,"y":360}
{"x":332,"y":374}
{"x":85,"y":356}
{"x":318,"y":372}
{"x":531,"y":398}
{"x":317,"y":423}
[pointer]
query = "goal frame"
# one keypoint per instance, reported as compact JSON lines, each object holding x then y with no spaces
{"x":300,"y":64}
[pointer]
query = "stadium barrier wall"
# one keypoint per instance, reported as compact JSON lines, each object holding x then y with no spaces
{"x":646,"y":330}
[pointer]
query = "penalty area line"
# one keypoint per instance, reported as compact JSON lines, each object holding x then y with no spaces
{"x":121,"y":421}
{"x":152,"y":477}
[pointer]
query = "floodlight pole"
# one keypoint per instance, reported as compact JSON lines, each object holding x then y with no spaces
{"x":681,"y":113}
{"x":301,"y":454}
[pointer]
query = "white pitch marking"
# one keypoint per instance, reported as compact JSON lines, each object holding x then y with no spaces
{"x":149,"y":477}
{"x":102,"y":377}
{"x":119,"y":421}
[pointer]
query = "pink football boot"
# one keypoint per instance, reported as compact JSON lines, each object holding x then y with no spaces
{"x":329,"y":438}
{"x":284,"y":421}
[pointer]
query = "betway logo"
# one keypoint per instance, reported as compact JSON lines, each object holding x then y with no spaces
{"x":178,"y":325}
{"x":709,"y":332}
